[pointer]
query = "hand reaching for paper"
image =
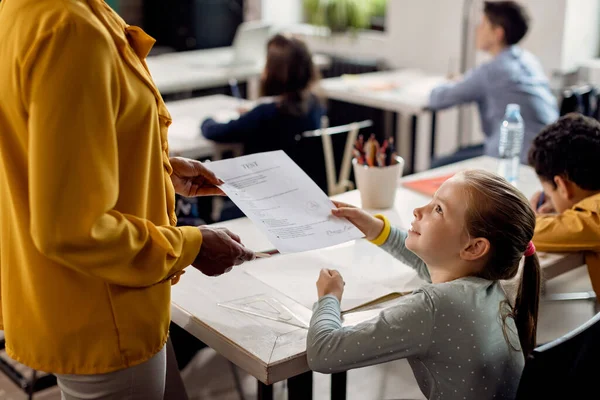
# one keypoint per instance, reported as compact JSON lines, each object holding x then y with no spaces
{"x":220,"y":251}
{"x":365,"y":222}
{"x":191,"y":178}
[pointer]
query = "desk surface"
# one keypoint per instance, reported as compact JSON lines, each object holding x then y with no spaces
{"x":194,"y":70}
{"x":202,"y":69}
{"x":405,"y":90}
{"x":271,"y":350}
{"x":185,"y":138}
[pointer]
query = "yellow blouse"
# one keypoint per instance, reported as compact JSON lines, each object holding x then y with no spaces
{"x":87,"y":225}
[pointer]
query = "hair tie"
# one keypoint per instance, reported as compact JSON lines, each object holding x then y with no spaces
{"x":530,"y":250}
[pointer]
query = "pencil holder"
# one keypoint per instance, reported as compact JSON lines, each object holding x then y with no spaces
{"x":377,"y":185}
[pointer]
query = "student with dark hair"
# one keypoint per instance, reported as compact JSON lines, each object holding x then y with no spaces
{"x":565,"y":158}
{"x":287,"y":79}
{"x":512,"y":76}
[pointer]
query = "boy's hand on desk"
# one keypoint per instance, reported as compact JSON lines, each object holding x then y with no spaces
{"x":190,"y":178}
{"x":365,"y":222}
{"x":545,"y":208}
{"x":220,"y":251}
{"x":330,"y":282}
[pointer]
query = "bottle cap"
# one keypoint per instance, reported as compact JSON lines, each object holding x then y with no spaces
{"x":511,"y":108}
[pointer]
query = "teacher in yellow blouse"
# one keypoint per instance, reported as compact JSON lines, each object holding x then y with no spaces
{"x":88,"y":242}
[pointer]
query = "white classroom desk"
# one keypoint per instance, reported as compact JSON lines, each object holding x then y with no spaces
{"x":185,"y":138}
{"x":186,"y":71}
{"x":408,"y":99}
{"x":272,"y":351}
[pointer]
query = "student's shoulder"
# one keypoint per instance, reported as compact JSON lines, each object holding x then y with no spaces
{"x":264,"y":109}
{"x":457,"y":293}
{"x":590,"y":204}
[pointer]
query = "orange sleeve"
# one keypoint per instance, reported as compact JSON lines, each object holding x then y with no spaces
{"x":571,"y":231}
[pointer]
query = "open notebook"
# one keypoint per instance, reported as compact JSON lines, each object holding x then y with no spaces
{"x":371,"y":275}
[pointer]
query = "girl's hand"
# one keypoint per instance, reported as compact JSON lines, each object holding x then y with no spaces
{"x":365,"y":222}
{"x":330,"y":282}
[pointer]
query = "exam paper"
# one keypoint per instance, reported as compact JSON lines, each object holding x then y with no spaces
{"x":283,"y":202}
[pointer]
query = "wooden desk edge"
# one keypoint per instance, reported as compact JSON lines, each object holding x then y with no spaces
{"x":287,"y":368}
{"x":567,"y":263}
{"x":266,"y":373}
{"x":220,"y":343}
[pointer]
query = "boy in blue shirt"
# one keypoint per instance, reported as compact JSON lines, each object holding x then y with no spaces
{"x":513,"y":76}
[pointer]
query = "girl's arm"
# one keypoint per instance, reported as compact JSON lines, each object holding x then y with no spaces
{"x":378,"y":230}
{"x":401,"y":331}
{"x":392,"y":240}
{"x":246,"y":127}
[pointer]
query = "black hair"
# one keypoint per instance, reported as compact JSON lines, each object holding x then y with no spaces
{"x":510,"y":16}
{"x":569,"y":148}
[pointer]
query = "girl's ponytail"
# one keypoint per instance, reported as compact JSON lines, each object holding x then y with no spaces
{"x":525,"y":312}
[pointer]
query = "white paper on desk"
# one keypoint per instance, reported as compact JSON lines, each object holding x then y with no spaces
{"x":369,"y":272}
{"x":283,"y":202}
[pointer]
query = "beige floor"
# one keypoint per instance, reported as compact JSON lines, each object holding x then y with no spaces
{"x":209,"y":376}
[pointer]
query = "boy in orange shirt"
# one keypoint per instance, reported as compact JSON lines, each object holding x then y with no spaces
{"x":566,"y":158}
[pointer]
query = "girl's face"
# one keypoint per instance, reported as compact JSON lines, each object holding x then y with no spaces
{"x":438,"y":233}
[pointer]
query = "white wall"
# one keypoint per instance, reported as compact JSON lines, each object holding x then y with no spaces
{"x":545,"y":37}
{"x":423,"y":34}
{"x":582,"y":33}
{"x":282,"y":12}
{"x":427,"y":33}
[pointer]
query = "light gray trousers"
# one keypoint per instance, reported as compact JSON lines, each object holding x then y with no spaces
{"x":156,"y":379}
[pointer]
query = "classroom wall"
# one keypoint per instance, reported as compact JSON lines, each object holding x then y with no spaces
{"x":427,"y":34}
{"x":581,"y":40}
{"x":282,"y":12}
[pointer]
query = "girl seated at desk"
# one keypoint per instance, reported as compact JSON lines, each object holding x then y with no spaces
{"x":460,"y":335}
{"x":288,"y":78}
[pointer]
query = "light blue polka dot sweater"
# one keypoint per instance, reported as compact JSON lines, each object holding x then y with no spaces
{"x":450,"y":333}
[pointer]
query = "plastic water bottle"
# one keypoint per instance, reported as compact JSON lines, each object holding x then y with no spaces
{"x":511,"y":143}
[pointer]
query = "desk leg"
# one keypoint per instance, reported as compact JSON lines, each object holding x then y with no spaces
{"x":403,"y":141}
{"x":301,"y":387}
{"x":338,"y":386}
{"x":413,"y":143}
{"x":265,"y":392}
{"x":433,"y":134}
{"x":253,"y":88}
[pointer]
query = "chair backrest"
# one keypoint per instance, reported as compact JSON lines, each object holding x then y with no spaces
{"x":581,"y":99}
{"x":565,"y":368}
{"x":341,"y":183}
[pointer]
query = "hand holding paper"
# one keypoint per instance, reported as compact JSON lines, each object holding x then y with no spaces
{"x":283,"y":202}
{"x":368,"y":224}
{"x":220,"y":251}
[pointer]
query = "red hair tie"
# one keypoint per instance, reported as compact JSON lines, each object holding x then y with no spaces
{"x":530,"y":250}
